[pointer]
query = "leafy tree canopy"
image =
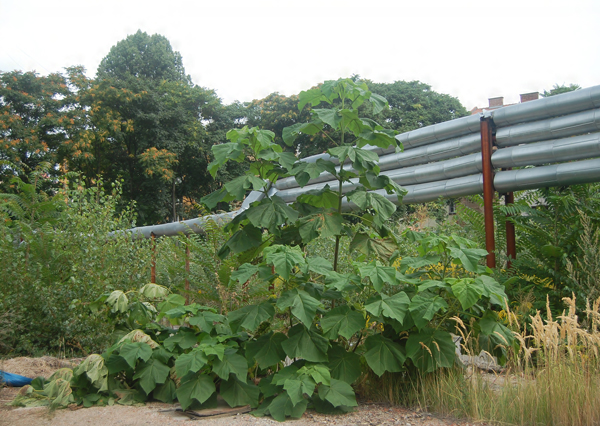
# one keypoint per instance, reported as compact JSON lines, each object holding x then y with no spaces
{"x":560,"y":88}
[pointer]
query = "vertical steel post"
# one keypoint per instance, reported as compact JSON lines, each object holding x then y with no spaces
{"x":153,"y":262}
{"x":488,"y":188}
{"x":511,"y":247}
{"x":187,"y":272}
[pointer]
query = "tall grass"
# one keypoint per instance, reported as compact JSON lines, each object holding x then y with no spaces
{"x":554,"y":379}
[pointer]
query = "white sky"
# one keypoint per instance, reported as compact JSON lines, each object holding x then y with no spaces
{"x":246,"y":49}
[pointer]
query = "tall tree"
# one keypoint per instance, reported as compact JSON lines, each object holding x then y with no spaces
{"x":33,"y":120}
{"x":159,"y":139}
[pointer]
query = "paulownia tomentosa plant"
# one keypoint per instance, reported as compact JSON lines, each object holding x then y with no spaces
{"x":396,"y":318}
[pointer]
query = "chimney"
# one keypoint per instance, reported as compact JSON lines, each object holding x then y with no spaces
{"x":496,"y":102}
{"x":526,"y":97}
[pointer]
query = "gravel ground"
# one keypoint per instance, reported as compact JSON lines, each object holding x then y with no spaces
{"x":159,"y":414}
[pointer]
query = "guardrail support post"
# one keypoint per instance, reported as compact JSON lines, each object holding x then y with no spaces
{"x":153,"y":261}
{"x":488,"y":188}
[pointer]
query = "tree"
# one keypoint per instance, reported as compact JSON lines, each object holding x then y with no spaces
{"x":414,"y":105}
{"x":158,"y":142}
{"x":560,"y":88}
{"x":33,"y":120}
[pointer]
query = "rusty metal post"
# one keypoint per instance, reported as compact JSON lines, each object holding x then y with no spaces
{"x":187,"y":272}
{"x":511,"y":247}
{"x":153,"y":262}
{"x":488,"y":188}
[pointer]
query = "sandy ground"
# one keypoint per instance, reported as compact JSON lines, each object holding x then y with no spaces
{"x":160,"y":414}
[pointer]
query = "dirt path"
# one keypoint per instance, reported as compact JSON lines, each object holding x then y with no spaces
{"x":160,"y":414}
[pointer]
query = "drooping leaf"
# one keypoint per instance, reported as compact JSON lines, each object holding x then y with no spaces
{"x":394,"y":307}
{"x":383,"y":354}
{"x":329,"y":116}
{"x":303,"y":305}
{"x":117,"y":301}
{"x":131,"y":352}
{"x":296,"y":388}
{"x":431,"y":349}
{"x":237,"y":392}
{"x":319,"y":265}
{"x":307,"y":344}
{"x":468,"y":257}
{"x":150,"y":374}
{"x":250,"y":316}
{"x":342,"y":282}
{"x":424,"y":306}
{"x":381,"y":248}
{"x":494,"y":290}
{"x":244,"y":239}
{"x":166,"y":392}
{"x":153,"y":291}
{"x":338,"y":393}
{"x":267,"y":349}
{"x":342,"y":321}
{"x":197,"y":387}
{"x":282,"y":407}
{"x":205,"y":320}
{"x":185,"y":338}
{"x":343,"y":365}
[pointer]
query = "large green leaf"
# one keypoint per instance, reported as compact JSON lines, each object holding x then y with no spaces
{"x":468,"y":257}
{"x":282,"y":407}
{"x":325,"y":224}
{"x":342,"y":282}
{"x":232,"y":363}
{"x":190,"y":362}
{"x":343,"y":365}
{"x":296,"y":388}
{"x":493,"y":289}
{"x":271,"y":213}
{"x":303,"y":305}
{"x":342,"y":321}
{"x":153,"y":291}
{"x":383,"y":354}
{"x":166,"y":392}
{"x":266,"y":349}
{"x":468,"y":291}
{"x":244,"y":273}
{"x":330,"y":116}
{"x":302,"y":343}
{"x":364,"y":200}
{"x":205,"y":320}
{"x":285,"y":259}
{"x":394,"y":307}
{"x":338,"y":393}
{"x":324,"y":197}
{"x":131,"y":352}
{"x":378,"y":274}
{"x":250,"y":316}
{"x":431,"y":349}
{"x":424,"y":306}
{"x":223,"y":153}
{"x":498,"y":332}
{"x":152,"y":373}
{"x":197,"y":387}
{"x":237,"y":392}
{"x":185,"y":338}
{"x":246,"y":238}
{"x":319,"y":265}
{"x":238,"y":186}
{"x":381,"y":248}
{"x":290,"y":133}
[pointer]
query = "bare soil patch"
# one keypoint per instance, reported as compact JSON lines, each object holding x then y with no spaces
{"x":160,"y":414}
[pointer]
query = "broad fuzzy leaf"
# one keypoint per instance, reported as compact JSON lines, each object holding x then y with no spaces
{"x":431,"y":349}
{"x":166,"y":392}
{"x":302,"y":343}
{"x":394,"y":307}
{"x":303,"y":305}
{"x":424,"y":306}
{"x":343,"y":321}
{"x":250,"y":316}
{"x":282,"y":407}
{"x":383,"y":354}
{"x":231,"y":363}
{"x":237,"y":393}
{"x":197,"y":387}
{"x":338,"y":393}
{"x":117,"y":301}
{"x":325,"y":224}
{"x":190,"y":362}
{"x":468,"y":291}
{"x":131,"y":352}
{"x":154,"y":291}
{"x":343,"y":365}
{"x":493,"y":289}
{"x":152,"y":373}
{"x":284,"y":259}
{"x":296,"y":388}
{"x":378,"y":274}
{"x":271,"y":213}
{"x":267,"y":349}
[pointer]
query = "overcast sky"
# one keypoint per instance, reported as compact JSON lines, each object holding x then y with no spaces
{"x":246,"y":49}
